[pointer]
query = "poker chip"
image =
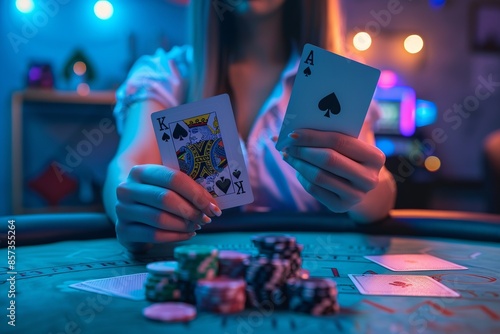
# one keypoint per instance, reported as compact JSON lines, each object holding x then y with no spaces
{"x":265,"y":278}
{"x":273,"y":241}
{"x":195,"y":262}
{"x":162,"y":268}
{"x":232,"y":263}
{"x":221,"y":295}
{"x":170,"y":312}
{"x":227,"y":281}
{"x":280,"y":246}
{"x":161,"y":283}
{"x":315,"y":296}
{"x":195,"y":251}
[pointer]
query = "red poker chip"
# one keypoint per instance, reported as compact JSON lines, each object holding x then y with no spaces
{"x":232,"y":255}
{"x":170,"y":312}
{"x":221,"y":283}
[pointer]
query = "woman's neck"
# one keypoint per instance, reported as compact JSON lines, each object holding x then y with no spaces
{"x":261,"y":40}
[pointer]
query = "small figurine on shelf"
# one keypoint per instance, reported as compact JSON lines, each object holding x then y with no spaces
{"x":78,"y":72}
{"x":40,"y":75}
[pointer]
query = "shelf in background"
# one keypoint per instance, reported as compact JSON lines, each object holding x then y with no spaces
{"x":46,"y":126}
{"x":60,"y":96}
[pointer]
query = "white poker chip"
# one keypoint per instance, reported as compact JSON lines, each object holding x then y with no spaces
{"x":162,"y":267}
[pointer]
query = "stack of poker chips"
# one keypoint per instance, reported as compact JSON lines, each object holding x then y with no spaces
{"x":221,"y":295}
{"x":315,"y":296}
{"x":266,"y":278}
{"x":195,"y":262}
{"x":162,"y":282}
{"x":232,"y":264}
{"x":280,"y":246}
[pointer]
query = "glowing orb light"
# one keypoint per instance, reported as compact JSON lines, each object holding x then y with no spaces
{"x":388,"y":79}
{"x":79,"y":68}
{"x":25,"y":6}
{"x":103,"y":9}
{"x":413,"y":44}
{"x":432,"y":163}
{"x":83,"y":89}
{"x":362,"y":41}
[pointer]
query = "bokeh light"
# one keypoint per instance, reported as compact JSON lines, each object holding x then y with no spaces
{"x":79,"y":68}
{"x":362,"y":41}
{"x":103,"y":9}
{"x":432,"y":163}
{"x":25,"y":6}
{"x":413,"y":44}
{"x":437,"y":3}
{"x":388,"y":79}
{"x":83,"y":89}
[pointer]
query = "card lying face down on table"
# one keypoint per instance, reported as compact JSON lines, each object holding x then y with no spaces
{"x":330,"y":93}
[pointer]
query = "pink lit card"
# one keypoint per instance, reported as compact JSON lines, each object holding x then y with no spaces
{"x":401,"y":285}
{"x":413,"y":262}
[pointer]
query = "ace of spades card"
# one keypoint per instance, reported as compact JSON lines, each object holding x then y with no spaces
{"x":201,"y":140}
{"x":330,"y":93}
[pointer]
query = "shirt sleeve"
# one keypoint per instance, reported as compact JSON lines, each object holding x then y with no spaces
{"x":162,"y":77}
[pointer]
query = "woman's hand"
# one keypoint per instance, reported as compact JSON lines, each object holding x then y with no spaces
{"x":338,"y":170}
{"x":157,"y":204}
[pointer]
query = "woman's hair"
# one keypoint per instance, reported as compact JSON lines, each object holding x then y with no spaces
{"x":213,"y":28}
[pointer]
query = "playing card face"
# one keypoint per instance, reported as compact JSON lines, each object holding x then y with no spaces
{"x":201,"y":140}
{"x":401,"y":285}
{"x":413,"y":262}
{"x":330,"y":93}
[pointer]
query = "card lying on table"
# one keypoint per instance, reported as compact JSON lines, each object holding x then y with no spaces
{"x":330,"y":93}
{"x":201,"y":140}
{"x":127,"y":286}
{"x":413,"y":262}
{"x":401,"y":285}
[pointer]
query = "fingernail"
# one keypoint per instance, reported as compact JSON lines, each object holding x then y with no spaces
{"x":293,"y":135}
{"x":215,"y":210}
{"x":284,"y":155}
{"x":274,"y":138}
{"x":197,"y":227}
{"x":192,"y":234}
{"x":206,"y":219}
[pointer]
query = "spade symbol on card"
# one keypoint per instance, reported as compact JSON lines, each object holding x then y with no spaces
{"x":236,"y":173}
{"x":401,"y":284}
{"x":330,"y":104}
{"x":307,"y":71}
{"x":165,"y":137}
{"x":223,"y":184}
{"x":179,"y":132}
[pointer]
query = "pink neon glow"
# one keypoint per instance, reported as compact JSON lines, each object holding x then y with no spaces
{"x":407,"y":98}
{"x":407,"y":120}
{"x":388,"y":79}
